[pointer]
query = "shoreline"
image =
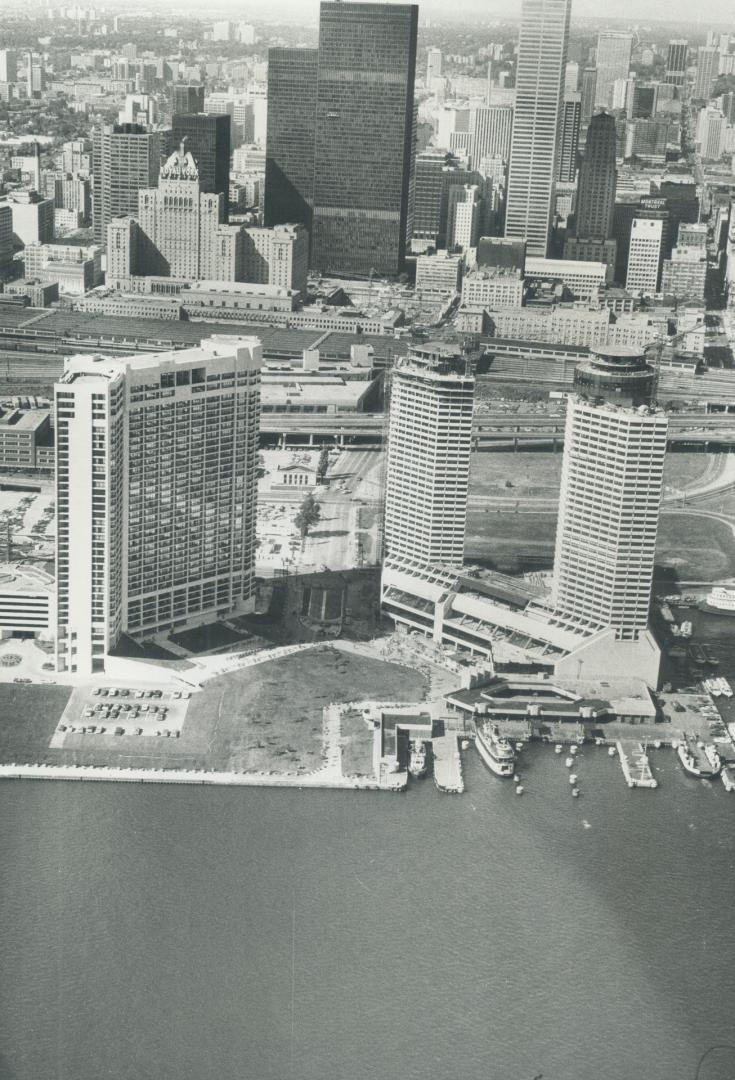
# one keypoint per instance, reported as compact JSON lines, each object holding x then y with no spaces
{"x":110,"y":774}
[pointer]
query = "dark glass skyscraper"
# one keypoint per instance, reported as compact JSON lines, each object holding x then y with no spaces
{"x":289,"y":161}
{"x":361,"y":83}
{"x":208,"y":140}
{"x":569,"y":141}
{"x":597,"y":180}
{"x":188,"y":98}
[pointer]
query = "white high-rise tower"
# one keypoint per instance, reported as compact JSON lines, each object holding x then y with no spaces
{"x":428,"y":457}
{"x":156,"y":493}
{"x":611,"y":487}
{"x":542,"y":57}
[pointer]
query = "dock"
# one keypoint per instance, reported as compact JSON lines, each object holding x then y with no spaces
{"x":447,"y":764}
{"x":635,"y":764}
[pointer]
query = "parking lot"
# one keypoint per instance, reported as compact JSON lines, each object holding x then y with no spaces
{"x":115,"y":711}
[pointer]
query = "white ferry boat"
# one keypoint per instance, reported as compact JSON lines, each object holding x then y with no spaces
{"x":417,"y":758}
{"x":495,"y":750}
{"x":720,"y":601}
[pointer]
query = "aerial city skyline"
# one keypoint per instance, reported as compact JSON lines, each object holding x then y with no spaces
{"x":367,"y":416}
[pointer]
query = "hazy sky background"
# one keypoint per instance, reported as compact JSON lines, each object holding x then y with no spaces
{"x":703,"y":13}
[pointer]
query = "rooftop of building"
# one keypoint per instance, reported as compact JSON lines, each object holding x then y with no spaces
{"x":235,"y":288}
{"x":24,"y":578}
{"x":22,"y":419}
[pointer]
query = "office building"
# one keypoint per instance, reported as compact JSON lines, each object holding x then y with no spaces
{"x":491,"y":128}
{"x":644,"y":255}
{"x":125,"y":158}
{"x":188,"y":98}
{"x":569,"y":139}
{"x":708,"y":65}
{"x":428,"y":456}
{"x":208,"y":141}
{"x":692,"y":235}
{"x":571,"y":78}
{"x":32,"y":216}
{"x":613,"y":62}
{"x":8,"y":66}
{"x":433,"y":65}
{"x":277,"y":256}
{"x":291,"y":129}
{"x":438,"y":275}
{"x":611,"y":488}
{"x":429,"y":190}
{"x":365,"y":129}
{"x":597,"y":180}
{"x":676,"y":62}
{"x":711,"y":133}
{"x":6,"y":238}
{"x":533,"y":158}
{"x":491,"y":288}
{"x":464,"y":215}
{"x":341,"y":128}
{"x":587,"y":90}
{"x":684,"y":275}
{"x":156,"y":460}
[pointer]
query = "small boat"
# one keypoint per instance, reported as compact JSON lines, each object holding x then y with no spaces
{"x":569,"y":762}
{"x":519,"y":789}
{"x":558,"y":748}
{"x":417,"y":758}
{"x":573,"y":748}
{"x":573,"y":778}
{"x":465,"y":744}
{"x":710,"y":656}
{"x":575,"y":792}
{"x":697,"y":655}
{"x":611,"y":751}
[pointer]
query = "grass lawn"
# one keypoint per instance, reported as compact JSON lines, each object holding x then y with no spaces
{"x":511,"y":542}
{"x":530,"y":474}
{"x":681,"y":470}
{"x":28,"y":716}
{"x":357,"y":748}
{"x":696,"y":548}
{"x":538,"y":474}
{"x":269,"y":717}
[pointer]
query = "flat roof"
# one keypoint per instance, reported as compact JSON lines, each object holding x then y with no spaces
{"x":22,"y":419}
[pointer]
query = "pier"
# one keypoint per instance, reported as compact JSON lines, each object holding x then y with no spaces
{"x":635,"y":764}
{"x":447,"y":764}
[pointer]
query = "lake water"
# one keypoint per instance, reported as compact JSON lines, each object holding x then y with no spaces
{"x":236,"y":934}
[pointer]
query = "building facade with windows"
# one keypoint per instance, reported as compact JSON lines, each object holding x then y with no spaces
{"x":428,"y":456}
{"x":156,"y":493}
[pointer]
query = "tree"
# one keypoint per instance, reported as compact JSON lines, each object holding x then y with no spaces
{"x":309,"y":514}
{"x":322,"y":465}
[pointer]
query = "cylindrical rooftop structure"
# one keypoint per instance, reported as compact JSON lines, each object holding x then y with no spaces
{"x":617,"y":374}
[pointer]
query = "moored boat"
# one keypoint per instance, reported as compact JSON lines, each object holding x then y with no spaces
{"x":495,"y":750}
{"x":699,"y":760}
{"x":417,"y":758}
{"x":719,"y":601}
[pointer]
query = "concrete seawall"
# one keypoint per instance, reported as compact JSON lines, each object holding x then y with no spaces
{"x":322,"y":779}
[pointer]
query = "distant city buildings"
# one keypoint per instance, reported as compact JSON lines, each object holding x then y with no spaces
{"x":613,"y":62}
